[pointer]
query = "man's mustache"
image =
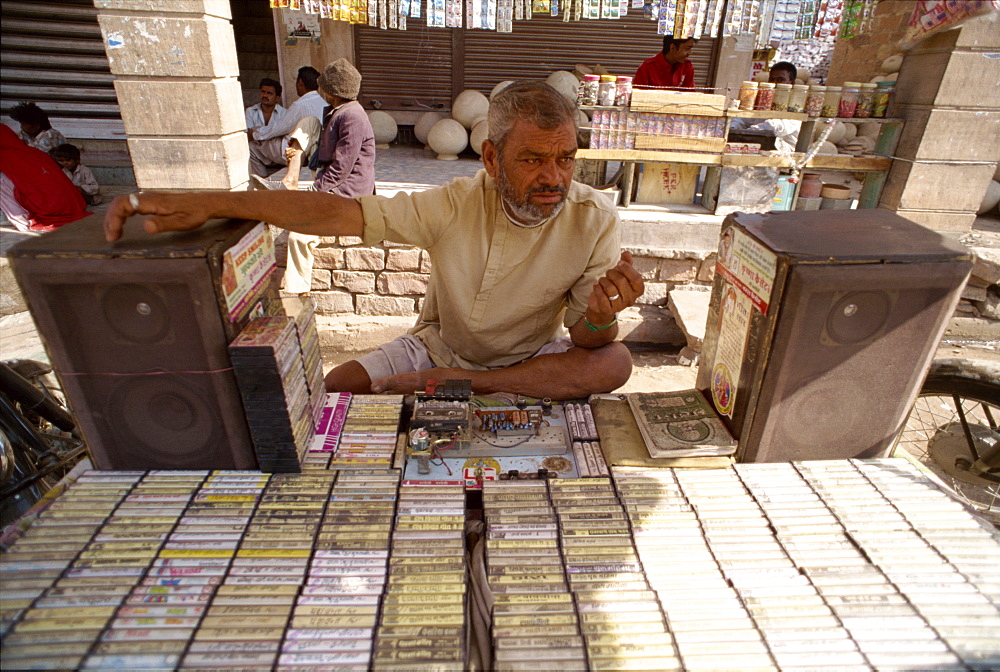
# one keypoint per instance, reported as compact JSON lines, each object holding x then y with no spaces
{"x":557,"y":188}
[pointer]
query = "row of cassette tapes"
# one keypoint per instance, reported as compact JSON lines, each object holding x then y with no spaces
{"x":423,"y":619}
{"x":356,"y":431}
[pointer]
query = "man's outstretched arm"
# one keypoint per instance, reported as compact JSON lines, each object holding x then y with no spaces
{"x":313,"y":213}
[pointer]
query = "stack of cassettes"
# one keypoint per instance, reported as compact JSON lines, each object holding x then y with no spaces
{"x":586,"y":446}
{"x":535,"y":624}
{"x":960,"y":597}
{"x":335,"y":611}
{"x":904,"y":572}
{"x":267,"y":362}
{"x":248,"y":616}
{"x":303,"y":311}
{"x":680,"y":567}
{"x":620,"y":618}
{"x":368,"y":438}
{"x":331,"y":424}
{"x":795,"y":610}
{"x":749,"y":558}
{"x":199,"y":554}
{"x":57,"y":601}
{"x":423,"y":622}
{"x":156,"y":623}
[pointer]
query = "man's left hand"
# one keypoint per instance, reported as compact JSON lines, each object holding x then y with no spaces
{"x":616,"y":291}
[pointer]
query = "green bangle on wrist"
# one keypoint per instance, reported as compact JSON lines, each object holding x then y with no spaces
{"x":592,"y":327}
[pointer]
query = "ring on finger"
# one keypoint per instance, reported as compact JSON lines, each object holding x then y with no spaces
{"x":613,"y":298}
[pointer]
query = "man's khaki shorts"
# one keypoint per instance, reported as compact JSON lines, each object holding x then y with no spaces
{"x":407,"y":353}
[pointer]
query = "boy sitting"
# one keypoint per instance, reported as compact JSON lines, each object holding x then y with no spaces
{"x":68,"y":156}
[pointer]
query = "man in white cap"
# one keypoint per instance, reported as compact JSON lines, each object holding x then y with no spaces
{"x":346,"y":159}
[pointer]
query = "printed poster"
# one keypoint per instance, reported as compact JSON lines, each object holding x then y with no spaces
{"x":748,"y":270}
{"x":246,"y":269}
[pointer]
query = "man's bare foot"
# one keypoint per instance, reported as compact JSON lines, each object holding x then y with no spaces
{"x":416,"y":381}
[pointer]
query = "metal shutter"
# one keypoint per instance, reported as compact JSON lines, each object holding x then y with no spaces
{"x":544,"y":44}
{"x":405,"y":69}
{"x":53,"y":54}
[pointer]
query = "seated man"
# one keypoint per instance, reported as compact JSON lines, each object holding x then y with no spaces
{"x":268,"y":110}
{"x":298,"y":127}
{"x":520,"y":254}
{"x":785,"y":131}
{"x":670,"y":68}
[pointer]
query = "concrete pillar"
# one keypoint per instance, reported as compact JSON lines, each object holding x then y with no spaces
{"x":948,"y":93}
{"x":735,"y":59}
{"x":176,"y":77}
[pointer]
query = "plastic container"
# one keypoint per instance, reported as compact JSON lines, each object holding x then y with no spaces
{"x":797,"y":98}
{"x":811,"y":186}
{"x":782,"y":92}
{"x":591,"y":84}
{"x":606,"y":91}
{"x":814,"y":100}
{"x":623,"y":90}
{"x":884,"y":92}
{"x":748,"y":95}
{"x":848,"y":99}
{"x":866,"y":101}
{"x":831,"y":102}
{"x":765,"y":96}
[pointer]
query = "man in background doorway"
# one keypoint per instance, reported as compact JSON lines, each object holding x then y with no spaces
{"x":670,"y":68}
{"x":267,"y":111}
{"x":300,"y":124}
{"x":785,"y":131}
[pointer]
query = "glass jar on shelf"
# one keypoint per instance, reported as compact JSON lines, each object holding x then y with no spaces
{"x":782,"y":93}
{"x":748,"y":95}
{"x":765,"y":96}
{"x":591,"y":85}
{"x":884,"y":92}
{"x":797,"y":98}
{"x":831,"y":102}
{"x":848,"y":99}
{"x":814,"y":100}
{"x":866,"y":101}
{"x":623,"y":90}
{"x":606,"y":91}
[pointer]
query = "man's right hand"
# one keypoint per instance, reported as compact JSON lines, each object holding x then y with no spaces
{"x":171,"y":212}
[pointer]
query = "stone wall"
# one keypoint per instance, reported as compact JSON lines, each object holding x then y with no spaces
{"x":390,"y":279}
{"x":858,"y":59}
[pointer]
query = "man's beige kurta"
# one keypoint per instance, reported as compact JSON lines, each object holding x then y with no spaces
{"x":498,"y":292}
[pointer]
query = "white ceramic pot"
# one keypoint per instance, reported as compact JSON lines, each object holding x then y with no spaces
{"x":478,"y":135}
{"x":565,"y":82}
{"x":384,"y":126}
{"x":424,"y":124}
{"x":469,"y":106}
{"x":500,"y":87}
{"x":448,"y":137}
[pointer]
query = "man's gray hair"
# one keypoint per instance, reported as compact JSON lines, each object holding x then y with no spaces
{"x":532,"y":101}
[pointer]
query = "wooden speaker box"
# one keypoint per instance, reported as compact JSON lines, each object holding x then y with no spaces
{"x":821,"y":327}
{"x":138,"y":330}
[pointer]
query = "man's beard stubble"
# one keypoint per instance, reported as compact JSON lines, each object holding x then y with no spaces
{"x":523,"y":210}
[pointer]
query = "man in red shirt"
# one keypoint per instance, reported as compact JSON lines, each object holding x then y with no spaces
{"x":670,"y":68}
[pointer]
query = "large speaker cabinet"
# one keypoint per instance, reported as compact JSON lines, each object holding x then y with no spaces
{"x":821,"y":327}
{"x":138,"y":330}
